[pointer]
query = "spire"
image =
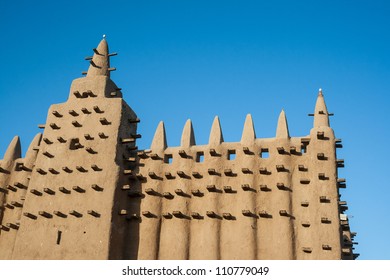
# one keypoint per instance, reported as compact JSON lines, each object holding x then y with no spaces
{"x":32,"y":152}
{"x":216,"y":136}
{"x":282,"y":129}
{"x":14,"y":150}
{"x":187,"y":137}
{"x":100,"y":61}
{"x":248,"y":134}
{"x":321,"y":115}
{"x":159,"y":140}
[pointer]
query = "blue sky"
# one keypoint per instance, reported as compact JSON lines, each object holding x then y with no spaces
{"x":229,"y":58}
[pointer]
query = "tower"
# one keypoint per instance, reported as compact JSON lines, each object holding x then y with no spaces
{"x":74,"y":188}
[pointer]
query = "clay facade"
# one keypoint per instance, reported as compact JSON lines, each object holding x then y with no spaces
{"x":85,"y":190}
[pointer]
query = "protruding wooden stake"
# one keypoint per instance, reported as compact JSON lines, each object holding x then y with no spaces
{"x":45,"y":214}
{"x":59,"y":214}
{"x":97,"y":188}
{"x":41,"y":171}
{"x":54,"y":126}
{"x":29,"y":215}
{"x":57,"y":114}
{"x":49,"y":191}
{"x":96,"y":168}
{"x":64,"y":190}
{"x":93,"y":213}
{"x":36,"y":192}
{"x":78,"y":189}
{"x":67,"y":169}
{"x":75,"y":213}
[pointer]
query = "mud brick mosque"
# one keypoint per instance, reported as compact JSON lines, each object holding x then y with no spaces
{"x":84,"y":190}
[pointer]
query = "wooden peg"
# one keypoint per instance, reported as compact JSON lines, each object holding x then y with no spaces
{"x":64,"y":190}
{"x":307,"y":249}
{"x":59,"y":214}
{"x":78,"y":189}
{"x":196,"y":174}
{"x":93,"y":213}
{"x":20,"y":185}
{"x":97,"y":188}
{"x":29,"y":215}
{"x":183,"y":153}
{"x":196,"y":215}
{"x":16,"y":204}
{"x":212,"y":214}
{"x":45,"y":214}
{"x":12,"y":188}
{"x":61,"y":139}
{"x":47,"y":141}
{"x":213,"y":152}
{"x":248,"y":213}
{"x":49,"y":155}
{"x":104,"y":121}
{"x":41,"y":171}
{"x":36,"y":192}
{"x":75,"y":213}
{"x":76,"y":124}
{"x":67,"y":169}
{"x":98,"y":110}
{"x":283,"y":213}
{"x":77,"y":94}
{"x":167,"y":215}
{"x":168,"y":195}
{"x":102,"y":135}
{"x":179,"y":214}
{"x":49,"y":191}
{"x":246,"y":170}
{"x":305,"y":181}
{"x":148,"y":214}
{"x":228,"y":216}
{"x":81,"y":169}
{"x":197,"y":192}
{"x":73,"y":113}
{"x":96,"y":168}
{"x":57,"y":114}
{"x":53,"y":171}
{"x":212,"y":188}
{"x":169,"y":176}
{"x":54,"y":126}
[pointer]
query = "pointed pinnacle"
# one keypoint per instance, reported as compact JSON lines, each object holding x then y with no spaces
{"x":216,"y":136}
{"x":100,"y":62}
{"x":188,"y":137}
{"x":159,"y":140}
{"x":321,"y":115}
{"x":248,"y":133}
{"x":282,"y":129}
{"x":14,"y":150}
{"x":31,"y":153}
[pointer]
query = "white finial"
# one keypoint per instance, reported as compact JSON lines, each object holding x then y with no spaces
{"x":104,"y":36}
{"x":320,"y":90}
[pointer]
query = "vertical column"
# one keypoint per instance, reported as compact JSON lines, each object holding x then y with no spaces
{"x":149,"y":234}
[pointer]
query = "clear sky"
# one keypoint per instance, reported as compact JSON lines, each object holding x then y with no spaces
{"x":200,"y":58}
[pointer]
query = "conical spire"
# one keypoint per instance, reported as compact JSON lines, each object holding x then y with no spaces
{"x":216,"y":136}
{"x":248,"y":133}
{"x":31,"y":153}
{"x":321,"y":116}
{"x":187,"y":137}
{"x":100,"y":62}
{"x":282,"y":129}
{"x":14,"y":150}
{"x":159,"y":140}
